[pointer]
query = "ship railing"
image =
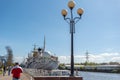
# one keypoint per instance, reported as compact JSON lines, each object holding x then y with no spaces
{"x":37,"y":72}
{"x":41,"y":72}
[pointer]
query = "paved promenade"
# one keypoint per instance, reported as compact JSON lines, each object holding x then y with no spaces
{"x":24,"y":76}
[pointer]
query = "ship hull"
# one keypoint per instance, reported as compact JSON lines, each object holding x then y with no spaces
{"x":42,"y":63}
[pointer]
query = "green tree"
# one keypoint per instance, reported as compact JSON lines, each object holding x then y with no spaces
{"x":61,"y":66}
{"x":9,"y":56}
{"x":114,"y":63}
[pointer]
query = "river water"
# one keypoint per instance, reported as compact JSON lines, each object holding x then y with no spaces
{"x":99,"y":76}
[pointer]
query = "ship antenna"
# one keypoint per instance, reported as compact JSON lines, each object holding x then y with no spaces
{"x":34,"y":46}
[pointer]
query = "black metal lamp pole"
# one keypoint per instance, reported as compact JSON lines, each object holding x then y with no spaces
{"x":72,"y":22}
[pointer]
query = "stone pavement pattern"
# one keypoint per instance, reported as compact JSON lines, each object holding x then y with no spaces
{"x":24,"y":76}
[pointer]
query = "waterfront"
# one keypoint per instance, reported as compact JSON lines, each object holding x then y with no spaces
{"x":99,"y":76}
{"x":85,"y":75}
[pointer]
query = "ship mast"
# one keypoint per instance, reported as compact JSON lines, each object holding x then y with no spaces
{"x":44,"y":44}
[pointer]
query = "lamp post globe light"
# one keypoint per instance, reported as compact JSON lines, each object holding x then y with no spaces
{"x":72,"y":21}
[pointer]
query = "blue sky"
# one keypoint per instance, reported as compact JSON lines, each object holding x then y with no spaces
{"x":24,"y":23}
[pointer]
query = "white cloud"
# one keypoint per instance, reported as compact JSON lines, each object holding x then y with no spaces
{"x":116,"y":59}
{"x":18,"y":59}
{"x":64,"y":59}
{"x":98,"y":58}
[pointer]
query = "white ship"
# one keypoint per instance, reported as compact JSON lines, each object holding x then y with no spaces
{"x":41,"y":59}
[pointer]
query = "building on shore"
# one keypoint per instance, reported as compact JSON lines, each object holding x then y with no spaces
{"x":100,"y":68}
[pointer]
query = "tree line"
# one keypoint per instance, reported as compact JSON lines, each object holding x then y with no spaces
{"x":7,"y":60}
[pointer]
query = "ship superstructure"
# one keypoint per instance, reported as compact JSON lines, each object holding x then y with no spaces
{"x":41,"y":59}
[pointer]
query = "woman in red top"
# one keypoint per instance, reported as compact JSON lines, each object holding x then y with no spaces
{"x":16,"y":71}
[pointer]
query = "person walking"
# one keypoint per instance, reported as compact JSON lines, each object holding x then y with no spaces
{"x":9,"y":69}
{"x":16,"y":71}
{"x":4,"y":70}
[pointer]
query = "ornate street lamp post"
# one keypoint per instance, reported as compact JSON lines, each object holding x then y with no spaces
{"x":72,"y":21}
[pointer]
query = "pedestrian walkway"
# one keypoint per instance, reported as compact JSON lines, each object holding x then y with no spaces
{"x":24,"y":76}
